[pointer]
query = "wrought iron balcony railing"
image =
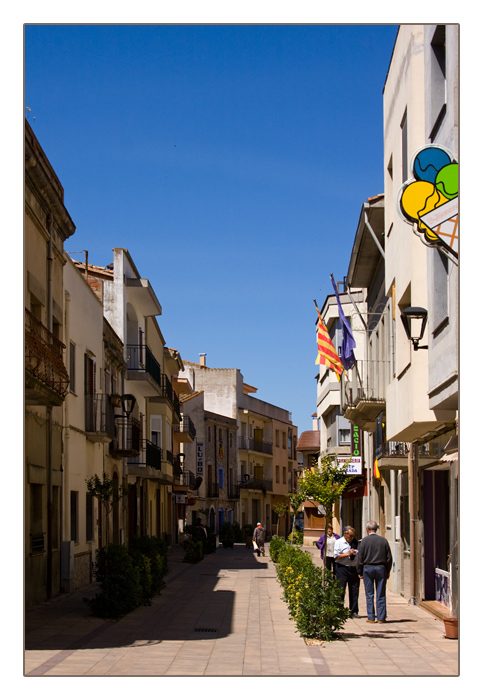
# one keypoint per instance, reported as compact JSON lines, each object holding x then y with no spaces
{"x":150,"y":455}
{"x":246,"y":443}
{"x":127,"y":441}
{"x":258,"y":484}
{"x":139,"y":358}
{"x":43,"y":356}
{"x":186,"y":426}
{"x":187,"y":478}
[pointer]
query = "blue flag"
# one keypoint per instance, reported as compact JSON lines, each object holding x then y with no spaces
{"x":348,"y":343}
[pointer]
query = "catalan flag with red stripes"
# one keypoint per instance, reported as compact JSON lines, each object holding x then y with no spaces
{"x":326,"y":352}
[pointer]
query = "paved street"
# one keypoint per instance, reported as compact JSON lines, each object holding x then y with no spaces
{"x":225,"y":617}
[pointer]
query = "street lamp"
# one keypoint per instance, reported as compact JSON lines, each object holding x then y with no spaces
{"x":128,"y":401}
{"x":414,"y":320}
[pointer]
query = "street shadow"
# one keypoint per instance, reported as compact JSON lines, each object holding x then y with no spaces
{"x":197,"y":603}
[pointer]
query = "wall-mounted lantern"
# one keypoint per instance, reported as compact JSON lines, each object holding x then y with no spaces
{"x":414,"y":320}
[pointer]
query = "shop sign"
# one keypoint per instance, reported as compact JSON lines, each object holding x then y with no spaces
{"x":199,"y":459}
{"x":429,"y":200}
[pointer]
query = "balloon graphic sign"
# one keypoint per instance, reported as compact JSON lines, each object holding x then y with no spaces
{"x":429,"y":201}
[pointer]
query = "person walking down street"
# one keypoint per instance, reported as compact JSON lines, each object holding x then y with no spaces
{"x":374,"y":564}
{"x":327,"y":541}
{"x":345,"y":550}
{"x":259,"y":539}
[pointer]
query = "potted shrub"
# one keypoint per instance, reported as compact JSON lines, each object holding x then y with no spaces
{"x":227,"y":535}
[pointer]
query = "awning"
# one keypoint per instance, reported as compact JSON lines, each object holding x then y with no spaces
{"x":452,"y":457}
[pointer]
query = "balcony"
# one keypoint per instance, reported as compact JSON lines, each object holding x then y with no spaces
{"x":186,"y":431}
{"x":394,"y":455}
{"x":364,"y":395}
{"x":246,"y":443}
{"x":46,"y":378}
{"x":100,"y":419}
{"x":188,"y":479}
{"x":127,"y":441}
{"x":150,"y":463}
{"x":263,"y":485}
{"x":143,"y":367}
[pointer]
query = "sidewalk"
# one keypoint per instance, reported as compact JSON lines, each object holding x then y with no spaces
{"x":225,"y":617}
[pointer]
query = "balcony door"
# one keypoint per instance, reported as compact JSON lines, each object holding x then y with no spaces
{"x":258,"y":439}
{"x":89,"y":391}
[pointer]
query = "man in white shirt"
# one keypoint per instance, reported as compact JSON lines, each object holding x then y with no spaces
{"x":345,"y":550}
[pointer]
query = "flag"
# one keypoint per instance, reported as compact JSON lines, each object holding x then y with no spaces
{"x":326,"y":352}
{"x":377,"y":473}
{"x":348,"y":343}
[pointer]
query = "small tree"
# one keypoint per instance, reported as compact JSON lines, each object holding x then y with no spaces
{"x":280,"y":509}
{"x":106,"y":493}
{"x":325,"y":484}
{"x":296,"y":500}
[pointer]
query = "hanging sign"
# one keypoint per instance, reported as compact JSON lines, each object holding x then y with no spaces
{"x":429,"y":200}
{"x":199,"y":459}
{"x":353,"y":463}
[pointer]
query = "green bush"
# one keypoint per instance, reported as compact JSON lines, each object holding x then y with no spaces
{"x":156,"y":551}
{"x":120,"y":588}
{"x":239,"y":536}
{"x":314,"y":597}
{"x":321,"y":610}
{"x":227,"y":535}
{"x":193,"y":551}
{"x":276,"y":544}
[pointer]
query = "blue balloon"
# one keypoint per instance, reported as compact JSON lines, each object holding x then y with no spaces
{"x":428,"y":162}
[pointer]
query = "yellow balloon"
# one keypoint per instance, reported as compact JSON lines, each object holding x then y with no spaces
{"x":417,"y":200}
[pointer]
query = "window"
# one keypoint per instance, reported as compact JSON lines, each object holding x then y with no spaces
{"x":74,"y":516}
{"x":277,"y":474}
{"x":404,"y":146}
{"x":36,"y":518}
{"x":277,"y":438}
{"x":156,"y":430}
{"x":284,"y":475}
{"x":344,"y":436}
{"x":55,"y":516}
{"x":284,"y":441}
{"x":89,"y":517}
{"x":72,"y":367}
{"x":220,"y":477}
{"x":438,"y":79}
{"x":440,"y":290}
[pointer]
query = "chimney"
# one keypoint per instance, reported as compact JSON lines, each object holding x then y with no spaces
{"x":315,"y":422}
{"x":202,"y":359}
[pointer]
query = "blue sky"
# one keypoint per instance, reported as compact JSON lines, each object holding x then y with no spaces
{"x":231,"y":160}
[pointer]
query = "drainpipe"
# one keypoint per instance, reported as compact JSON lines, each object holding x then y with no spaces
{"x":49,"y":436}
{"x":66,"y":430}
{"x":413,"y":513}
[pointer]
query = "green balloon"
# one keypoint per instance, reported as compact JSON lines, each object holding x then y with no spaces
{"x":447,"y":180}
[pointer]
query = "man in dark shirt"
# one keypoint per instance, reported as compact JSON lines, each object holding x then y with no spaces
{"x":374,"y":564}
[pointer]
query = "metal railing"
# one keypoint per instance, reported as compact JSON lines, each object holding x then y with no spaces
{"x":99,"y":414}
{"x":139,"y":358}
{"x":392,"y":449}
{"x":43,"y":355}
{"x":37,"y":543}
{"x":246,"y":443}
{"x":258,"y":484}
{"x":127,"y":441}
{"x":367,"y":382}
{"x":150,"y":455}
{"x":186,"y":426}
{"x":187,"y":478}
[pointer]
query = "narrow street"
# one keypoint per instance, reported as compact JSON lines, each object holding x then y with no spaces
{"x":225,"y":617}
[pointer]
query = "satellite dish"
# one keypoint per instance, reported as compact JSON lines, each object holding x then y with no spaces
{"x":198,"y":482}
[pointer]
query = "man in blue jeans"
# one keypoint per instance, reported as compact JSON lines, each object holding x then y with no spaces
{"x":374,"y":562}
